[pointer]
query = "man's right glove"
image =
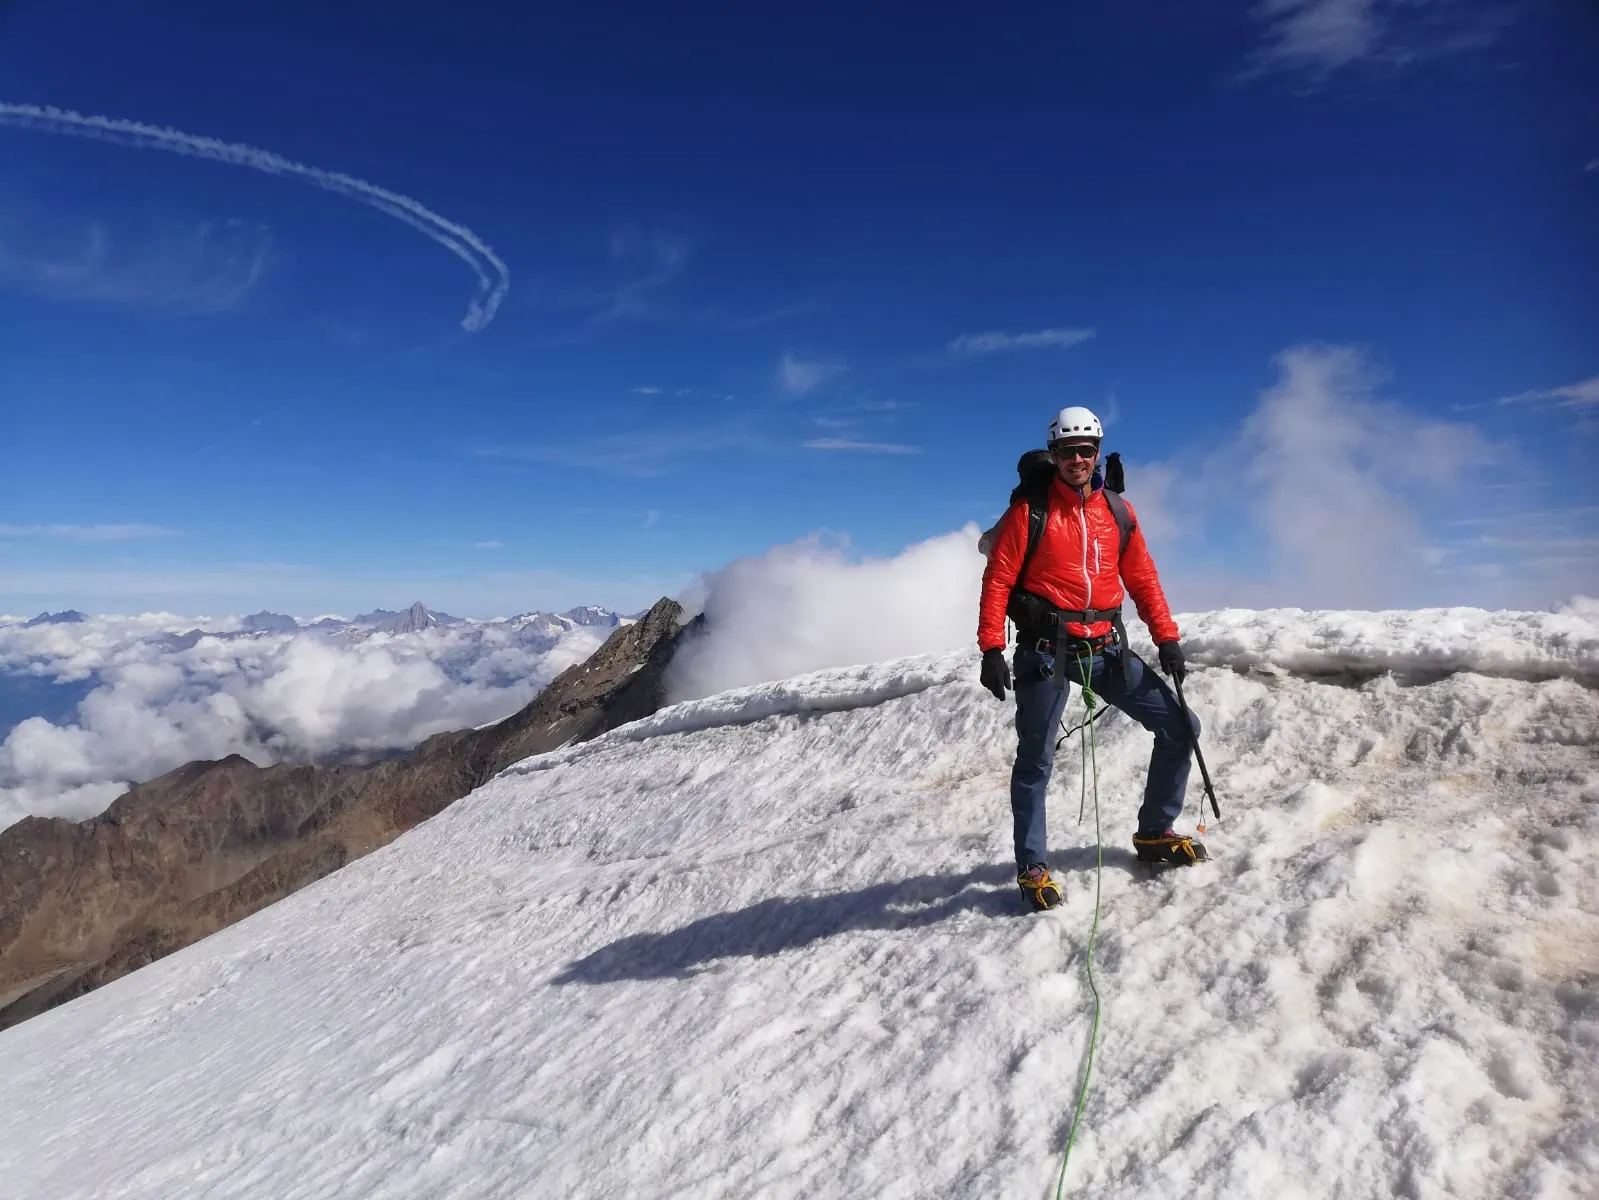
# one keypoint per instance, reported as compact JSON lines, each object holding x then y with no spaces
{"x":996,"y":672}
{"x":1171,"y":660}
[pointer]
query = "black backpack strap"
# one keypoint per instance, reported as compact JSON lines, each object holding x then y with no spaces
{"x":1037,"y":501}
{"x":1124,"y":519}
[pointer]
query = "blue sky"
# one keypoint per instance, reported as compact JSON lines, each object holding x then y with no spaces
{"x":775,"y":274}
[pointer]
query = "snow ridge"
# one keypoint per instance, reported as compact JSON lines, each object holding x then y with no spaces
{"x":768,"y":944}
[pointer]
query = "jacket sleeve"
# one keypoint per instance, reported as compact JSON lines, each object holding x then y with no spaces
{"x":1143,"y":585}
{"x":1004,"y":564}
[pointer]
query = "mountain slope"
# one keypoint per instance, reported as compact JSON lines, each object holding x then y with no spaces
{"x":768,"y":944}
{"x":181,"y":856}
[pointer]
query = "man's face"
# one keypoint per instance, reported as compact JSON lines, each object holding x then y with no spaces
{"x":1075,"y":460}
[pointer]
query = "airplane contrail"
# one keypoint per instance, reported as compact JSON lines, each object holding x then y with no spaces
{"x":493,"y":277}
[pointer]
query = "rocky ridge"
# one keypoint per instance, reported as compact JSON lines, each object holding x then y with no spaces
{"x":179,"y":857}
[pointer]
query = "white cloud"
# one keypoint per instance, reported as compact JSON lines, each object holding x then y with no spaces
{"x":203,"y":267}
{"x":88,"y":533}
{"x":798,"y":376}
{"x":810,"y":605}
{"x":488,"y":545}
{"x":647,"y":391}
{"x":1320,"y":35}
{"x":1315,"y":39}
{"x":1039,"y":339}
{"x":271,"y":697}
{"x":1325,"y":485}
{"x":848,"y":445}
{"x":1321,"y":454}
{"x":1584,"y":394}
{"x":1592,"y":166}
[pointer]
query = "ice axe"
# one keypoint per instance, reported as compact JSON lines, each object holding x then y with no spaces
{"x":1199,"y":755}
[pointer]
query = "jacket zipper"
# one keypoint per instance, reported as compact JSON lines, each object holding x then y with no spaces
{"x":1088,"y":583}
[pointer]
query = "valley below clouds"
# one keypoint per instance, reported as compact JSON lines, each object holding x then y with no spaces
{"x":89,"y":706}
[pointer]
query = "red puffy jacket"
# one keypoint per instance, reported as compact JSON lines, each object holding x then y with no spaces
{"x":1073,"y":568}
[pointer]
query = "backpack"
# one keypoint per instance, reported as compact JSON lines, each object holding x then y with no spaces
{"x":1036,"y":470}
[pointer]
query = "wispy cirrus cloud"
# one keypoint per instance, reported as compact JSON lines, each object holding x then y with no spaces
{"x":197,"y":268}
{"x":89,"y":533}
{"x":1582,"y":395}
{"x":851,"y":446}
{"x":639,"y":454}
{"x":997,"y":342}
{"x":647,"y":260}
{"x":797,"y":376}
{"x":1315,"y":39}
{"x":490,"y":544}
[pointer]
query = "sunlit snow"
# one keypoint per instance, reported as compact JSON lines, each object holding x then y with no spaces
{"x":768,"y":944}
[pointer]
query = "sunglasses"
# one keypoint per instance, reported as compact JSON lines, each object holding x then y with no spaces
{"x":1077,"y":451}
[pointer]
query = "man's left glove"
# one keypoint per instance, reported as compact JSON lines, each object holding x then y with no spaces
{"x":1171,"y":660}
{"x":996,"y":672}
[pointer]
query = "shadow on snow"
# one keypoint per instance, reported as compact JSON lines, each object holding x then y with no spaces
{"x":791,"y":922}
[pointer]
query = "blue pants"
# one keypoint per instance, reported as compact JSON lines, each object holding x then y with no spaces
{"x":1039,"y":703}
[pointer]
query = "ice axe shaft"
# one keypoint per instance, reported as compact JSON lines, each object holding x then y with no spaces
{"x":1199,"y":755}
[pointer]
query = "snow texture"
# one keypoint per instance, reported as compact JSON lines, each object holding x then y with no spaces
{"x":768,"y":943}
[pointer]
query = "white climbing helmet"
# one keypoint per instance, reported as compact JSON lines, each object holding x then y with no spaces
{"x":1074,"y":423}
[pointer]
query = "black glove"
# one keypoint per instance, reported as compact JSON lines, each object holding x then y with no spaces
{"x":1171,"y":660}
{"x":996,"y":672}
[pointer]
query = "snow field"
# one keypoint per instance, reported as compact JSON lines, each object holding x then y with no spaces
{"x":769,"y":944}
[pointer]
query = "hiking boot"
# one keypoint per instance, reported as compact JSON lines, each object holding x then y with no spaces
{"x":1168,"y":847}
{"x":1042,"y":891}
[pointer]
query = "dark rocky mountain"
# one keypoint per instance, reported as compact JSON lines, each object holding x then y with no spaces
{"x":591,"y":614}
{"x":179,"y":857}
{"x":413,"y":620}
{"x":70,"y":616}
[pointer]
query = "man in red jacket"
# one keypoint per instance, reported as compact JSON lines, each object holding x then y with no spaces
{"x":1068,"y":617}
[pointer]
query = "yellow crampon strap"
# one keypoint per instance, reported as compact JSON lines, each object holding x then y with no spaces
{"x":1047,"y":882}
{"x":1179,"y":843}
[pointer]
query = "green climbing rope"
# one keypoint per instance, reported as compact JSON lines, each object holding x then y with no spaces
{"x":1090,"y":770}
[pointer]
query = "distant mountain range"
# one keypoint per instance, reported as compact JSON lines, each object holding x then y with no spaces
{"x":70,"y":616}
{"x":536,"y":629}
{"x":414,"y":619}
{"x":181,"y":856}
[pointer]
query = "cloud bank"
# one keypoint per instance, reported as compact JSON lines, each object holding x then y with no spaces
{"x":809,"y":605}
{"x":88,"y":533}
{"x":160,"y":699}
{"x":493,"y":276}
